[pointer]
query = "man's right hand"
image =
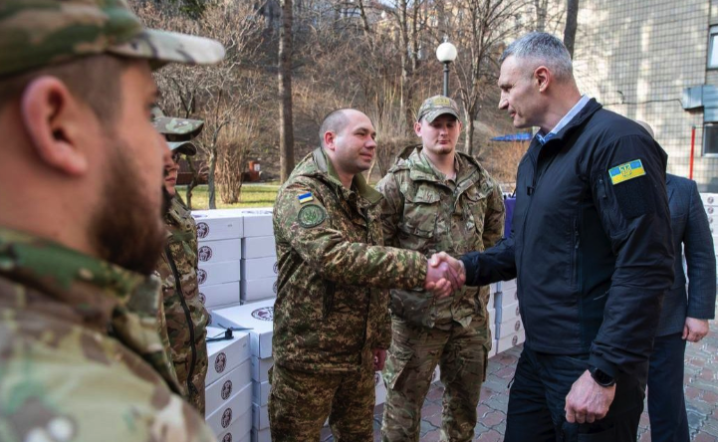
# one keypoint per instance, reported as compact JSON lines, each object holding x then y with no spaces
{"x":443,"y":275}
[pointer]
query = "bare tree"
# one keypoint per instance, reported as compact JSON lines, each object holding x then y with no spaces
{"x":569,"y":33}
{"x":286,"y":130}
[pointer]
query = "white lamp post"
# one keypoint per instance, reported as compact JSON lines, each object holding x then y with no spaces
{"x":446,"y":53}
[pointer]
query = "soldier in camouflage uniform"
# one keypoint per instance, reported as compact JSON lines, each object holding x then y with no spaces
{"x":184,"y":314}
{"x":438,"y":200}
{"x":81,"y":358}
{"x":331,"y":317}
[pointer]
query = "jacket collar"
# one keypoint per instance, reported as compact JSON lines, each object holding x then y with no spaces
{"x":583,"y":116}
{"x":421,"y":169}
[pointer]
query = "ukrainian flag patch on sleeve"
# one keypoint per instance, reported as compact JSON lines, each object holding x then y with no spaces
{"x":627,"y":171}
{"x":305,"y":198}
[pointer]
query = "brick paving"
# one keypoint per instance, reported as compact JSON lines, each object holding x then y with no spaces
{"x":701,"y":387}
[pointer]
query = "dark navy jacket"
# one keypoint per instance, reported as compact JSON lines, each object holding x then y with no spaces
{"x":592,"y":256}
{"x":690,"y":227}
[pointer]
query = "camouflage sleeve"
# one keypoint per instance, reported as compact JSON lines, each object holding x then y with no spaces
{"x":392,"y":207}
{"x":310,"y":232}
{"x":495,"y":217}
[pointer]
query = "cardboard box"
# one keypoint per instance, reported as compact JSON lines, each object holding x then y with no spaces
{"x":220,"y":295}
{"x":214,"y":225}
{"x":508,"y":312}
{"x":219,"y":251}
{"x":225,"y":355}
{"x":258,"y":289}
{"x":218,"y":393}
{"x":259,"y":268}
{"x":258,"y":222}
{"x":709,"y":199}
{"x":260,"y":392}
{"x":221,"y":419}
{"x":509,"y":327}
{"x":260,"y":369}
{"x":260,"y":416}
{"x":258,"y":316}
{"x":507,"y":286}
{"x":239,"y":431}
{"x":261,"y":435}
{"x":511,"y":340}
{"x":259,"y":247}
{"x":218,"y":273}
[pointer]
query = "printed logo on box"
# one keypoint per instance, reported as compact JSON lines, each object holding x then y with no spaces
{"x":274,"y":287}
{"x":709,"y":210}
{"x":226,"y":389}
{"x":514,"y":340}
{"x":226,"y":418}
{"x":517,"y":311}
{"x":227,"y":437}
{"x":276,"y":268}
{"x":264,"y":314}
{"x":202,"y":298}
{"x":377,"y":378}
{"x":201,"y":276}
{"x":202,"y":230}
{"x":517,"y":326}
{"x":205,"y":253}
{"x":220,"y":362}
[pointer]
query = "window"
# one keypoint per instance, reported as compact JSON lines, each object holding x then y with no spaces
{"x":713,"y":48}
{"x":710,"y":139}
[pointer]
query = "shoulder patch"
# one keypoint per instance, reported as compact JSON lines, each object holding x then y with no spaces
{"x":626,"y":171}
{"x":311,"y":215}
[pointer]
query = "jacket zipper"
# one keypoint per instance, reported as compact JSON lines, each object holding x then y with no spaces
{"x":191,"y":390}
{"x":530,"y":193}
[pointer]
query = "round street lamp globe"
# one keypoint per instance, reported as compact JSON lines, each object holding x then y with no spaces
{"x":446,"y":52}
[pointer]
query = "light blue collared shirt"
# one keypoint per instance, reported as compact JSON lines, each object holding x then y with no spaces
{"x":564,"y":121}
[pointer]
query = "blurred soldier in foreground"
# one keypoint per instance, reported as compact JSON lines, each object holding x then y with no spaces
{"x":185,"y":315}
{"x":437,"y":199}
{"x":332,"y":325}
{"x":80,"y":354}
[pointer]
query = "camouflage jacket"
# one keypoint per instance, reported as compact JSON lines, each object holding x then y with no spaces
{"x":80,"y":355}
{"x":332,"y":304}
{"x":423,"y":211}
{"x":185,"y":316}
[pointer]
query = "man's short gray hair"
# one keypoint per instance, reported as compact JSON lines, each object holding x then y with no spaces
{"x":546,"y":50}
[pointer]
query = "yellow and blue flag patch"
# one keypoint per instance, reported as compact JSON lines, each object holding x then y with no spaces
{"x":627,"y":171}
{"x":305,"y":198}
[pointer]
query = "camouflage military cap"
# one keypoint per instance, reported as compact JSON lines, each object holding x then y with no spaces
{"x":185,"y":147}
{"x":435,"y":106}
{"x":175,"y":129}
{"x":36,"y":33}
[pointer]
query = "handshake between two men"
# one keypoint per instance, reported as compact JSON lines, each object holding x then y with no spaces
{"x":444,"y":275}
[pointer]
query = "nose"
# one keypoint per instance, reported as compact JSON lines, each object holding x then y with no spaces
{"x":503,"y":102}
{"x":371,"y":144}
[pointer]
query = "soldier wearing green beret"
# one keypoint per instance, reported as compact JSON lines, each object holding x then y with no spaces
{"x":331,"y":316}
{"x":184,"y":314}
{"x":81,"y":231}
{"x":438,"y":200}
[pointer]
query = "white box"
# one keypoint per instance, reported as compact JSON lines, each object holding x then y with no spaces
{"x":219,"y":251}
{"x":221,"y":419}
{"x":258,"y":247}
{"x":258,"y":316}
{"x":258,"y":289}
{"x":509,"y":327}
{"x":258,"y":222}
{"x":506,"y":297}
{"x":260,"y":416}
{"x":711,"y":210}
{"x":239,"y":431}
{"x":709,"y":199}
{"x":379,"y":389}
{"x":218,"y":273}
{"x":260,"y":369}
{"x":260,"y":392}
{"x":508,"y":285}
{"x":219,"y":295}
{"x":261,"y":435}
{"x":218,"y":393}
{"x":508,"y":312}
{"x":511,"y":340}
{"x":225,"y":355}
{"x":260,"y":268}
{"x":213,"y":225}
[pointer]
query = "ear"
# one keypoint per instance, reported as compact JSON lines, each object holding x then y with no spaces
{"x":543,"y":77}
{"x":329,"y":138}
{"x":417,"y":128}
{"x":53,"y":119}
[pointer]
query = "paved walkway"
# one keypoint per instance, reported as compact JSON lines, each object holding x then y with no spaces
{"x":701,"y":386}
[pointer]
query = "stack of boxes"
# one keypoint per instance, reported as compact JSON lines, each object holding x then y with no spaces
{"x":710,"y":203}
{"x":228,"y":394}
{"x":509,"y":328}
{"x":259,"y":257}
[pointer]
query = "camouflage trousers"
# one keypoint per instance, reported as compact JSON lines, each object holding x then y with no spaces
{"x":299,"y":404}
{"x":461,"y":354}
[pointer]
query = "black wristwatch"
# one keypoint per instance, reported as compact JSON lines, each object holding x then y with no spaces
{"x":601,"y":377}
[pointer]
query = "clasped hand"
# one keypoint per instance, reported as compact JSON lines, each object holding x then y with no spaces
{"x":444,"y":275}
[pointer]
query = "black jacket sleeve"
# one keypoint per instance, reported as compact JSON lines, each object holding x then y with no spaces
{"x":633,"y":206}
{"x":495,"y":264}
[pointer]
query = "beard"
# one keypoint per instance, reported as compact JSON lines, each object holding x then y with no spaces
{"x":128,"y":230}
